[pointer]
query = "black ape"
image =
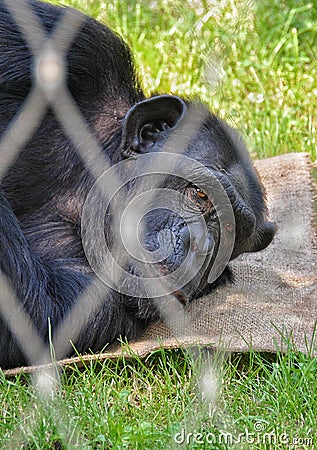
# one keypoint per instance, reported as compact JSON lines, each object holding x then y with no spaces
{"x":43,"y":192}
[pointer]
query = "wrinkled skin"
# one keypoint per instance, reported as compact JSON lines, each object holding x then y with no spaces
{"x":43,"y":193}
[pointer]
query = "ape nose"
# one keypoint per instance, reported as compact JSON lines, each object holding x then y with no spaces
{"x":197,"y":240}
{"x":202,"y":245}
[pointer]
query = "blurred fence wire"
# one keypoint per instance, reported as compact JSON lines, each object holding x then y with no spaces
{"x":49,"y":90}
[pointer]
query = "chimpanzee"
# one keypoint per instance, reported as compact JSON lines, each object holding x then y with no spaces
{"x":43,"y":192}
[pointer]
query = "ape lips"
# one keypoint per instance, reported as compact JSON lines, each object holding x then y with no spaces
{"x":205,"y":196}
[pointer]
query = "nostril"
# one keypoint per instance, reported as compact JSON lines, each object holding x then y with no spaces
{"x":194,"y":246}
{"x":197,"y":240}
{"x":204,"y":247}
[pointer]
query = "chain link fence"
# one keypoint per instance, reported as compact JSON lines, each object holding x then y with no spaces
{"x":49,"y":90}
{"x":147,"y":174}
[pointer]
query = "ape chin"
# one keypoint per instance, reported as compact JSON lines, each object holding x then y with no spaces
{"x":44,"y":193}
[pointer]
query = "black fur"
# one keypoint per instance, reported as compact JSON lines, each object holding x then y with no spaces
{"x":43,"y":192}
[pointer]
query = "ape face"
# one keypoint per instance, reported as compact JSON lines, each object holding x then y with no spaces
{"x":194,"y":194}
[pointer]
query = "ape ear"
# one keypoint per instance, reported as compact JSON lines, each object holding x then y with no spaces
{"x":266,"y":235}
{"x":149,"y":122}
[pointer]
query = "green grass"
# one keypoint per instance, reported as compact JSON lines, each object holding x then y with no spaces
{"x":255,"y":65}
{"x":155,"y":404}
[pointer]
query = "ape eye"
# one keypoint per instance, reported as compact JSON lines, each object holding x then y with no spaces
{"x":201,"y":194}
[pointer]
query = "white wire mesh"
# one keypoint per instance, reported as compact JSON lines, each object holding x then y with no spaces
{"x":50,"y":90}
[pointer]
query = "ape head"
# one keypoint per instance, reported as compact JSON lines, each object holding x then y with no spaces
{"x":195,"y":201}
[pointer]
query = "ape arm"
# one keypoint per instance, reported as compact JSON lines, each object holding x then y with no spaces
{"x":48,"y":291}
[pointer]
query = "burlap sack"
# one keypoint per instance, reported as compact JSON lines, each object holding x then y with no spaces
{"x":274,"y":298}
{"x":275,"y":291}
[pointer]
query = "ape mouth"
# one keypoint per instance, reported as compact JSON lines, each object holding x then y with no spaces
{"x":186,"y":292}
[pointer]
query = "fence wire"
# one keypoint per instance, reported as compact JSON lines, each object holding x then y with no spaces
{"x":50,"y":90}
